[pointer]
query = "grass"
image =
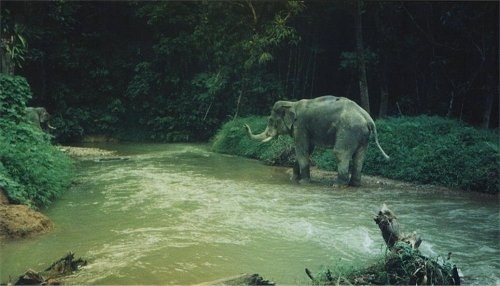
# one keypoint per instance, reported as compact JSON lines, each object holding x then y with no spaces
{"x":423,"y":149}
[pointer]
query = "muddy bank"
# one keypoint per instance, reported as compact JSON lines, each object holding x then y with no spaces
{"x":19,"y":221}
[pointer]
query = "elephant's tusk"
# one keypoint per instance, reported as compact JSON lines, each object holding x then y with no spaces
{"x":267,"y":139}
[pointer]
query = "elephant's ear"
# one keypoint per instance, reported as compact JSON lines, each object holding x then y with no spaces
{"x":285,"y":110}
{"x":289,"y":117}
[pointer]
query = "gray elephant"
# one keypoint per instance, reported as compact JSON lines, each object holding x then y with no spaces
{"x":38,"y":116}
{"x":327,"y":121}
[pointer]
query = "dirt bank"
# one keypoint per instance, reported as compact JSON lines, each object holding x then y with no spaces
{"x":18,"y":221}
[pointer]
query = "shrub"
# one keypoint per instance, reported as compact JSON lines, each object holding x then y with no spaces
{"x":423,"y":149}
{"x":32,"y":171}
{"x":15,"y":92}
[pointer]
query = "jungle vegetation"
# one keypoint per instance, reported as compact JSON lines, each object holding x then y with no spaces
{"x":170,"y":71}
{"x":177,"y":70}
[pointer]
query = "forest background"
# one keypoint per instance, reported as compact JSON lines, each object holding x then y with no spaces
{"x":177,"y":70}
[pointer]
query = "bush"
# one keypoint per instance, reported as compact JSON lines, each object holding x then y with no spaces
{"x":15,"y":92}
{"x":423,"y":149}
{"x":32,"y":171}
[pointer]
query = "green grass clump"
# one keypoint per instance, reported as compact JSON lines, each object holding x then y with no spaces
{"x":32,"y":170}
{"x":436,"y":150}
{"x":423,"y":149}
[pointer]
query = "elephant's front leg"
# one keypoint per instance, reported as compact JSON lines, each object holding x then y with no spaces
{"x":343,"y":158}
{"x":302,"y":166}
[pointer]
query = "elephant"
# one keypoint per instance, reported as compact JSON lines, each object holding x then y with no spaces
{"x":326,"y":121}
{"x":38,"y":116}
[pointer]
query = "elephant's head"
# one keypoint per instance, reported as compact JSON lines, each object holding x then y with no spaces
{"x":39,"y":115}
{"x":280,"y":122}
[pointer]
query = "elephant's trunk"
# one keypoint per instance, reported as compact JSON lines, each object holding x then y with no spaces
{"x":263,"y":137}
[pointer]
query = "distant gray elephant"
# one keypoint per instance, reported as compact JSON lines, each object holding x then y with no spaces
{"x":327,"y":121}
{"x":38,"y":116}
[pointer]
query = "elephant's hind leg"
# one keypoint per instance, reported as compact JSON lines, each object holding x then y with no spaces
{"x":357,"y":165}
{"x":343,"y":157}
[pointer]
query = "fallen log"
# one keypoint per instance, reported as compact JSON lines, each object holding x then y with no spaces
{"x":403,"y":264}
{"x":241,"y":279}
{"x":52,"y":274}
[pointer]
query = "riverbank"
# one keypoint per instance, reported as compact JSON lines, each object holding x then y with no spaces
{"x":20,"y":221}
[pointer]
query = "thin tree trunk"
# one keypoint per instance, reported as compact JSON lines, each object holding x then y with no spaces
{"x":382,"y":72}
{"x":7,"y":65}
{"x":363,"y":82}
{"x":488,"y":107}
{"x":384,"y":96}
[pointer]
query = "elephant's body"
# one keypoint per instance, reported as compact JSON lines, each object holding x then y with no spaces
{"x":326,"y":121}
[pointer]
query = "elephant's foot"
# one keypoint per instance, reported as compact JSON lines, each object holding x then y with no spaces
{"x":340,"y":187}
{"x":342,"y":181}
{"x":305,"y":181}
{"x":355,"y":183}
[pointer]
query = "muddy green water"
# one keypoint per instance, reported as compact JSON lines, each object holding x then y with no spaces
{"x":179,"y":214}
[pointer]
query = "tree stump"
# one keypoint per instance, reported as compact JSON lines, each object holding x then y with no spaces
{"x":389,"y":226}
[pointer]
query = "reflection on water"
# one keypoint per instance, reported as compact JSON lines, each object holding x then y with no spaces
{"x":179,"y":214}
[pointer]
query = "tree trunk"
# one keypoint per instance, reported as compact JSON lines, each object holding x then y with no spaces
{"x":384,"y":94}
{"x":488,"y":107}
{"x":363,"y":83}
{"x":6,"y":65}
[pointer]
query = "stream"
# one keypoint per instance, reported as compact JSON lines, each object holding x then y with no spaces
{"x":180,"y":214}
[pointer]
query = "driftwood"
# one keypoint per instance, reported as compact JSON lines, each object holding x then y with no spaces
{"x":402,"y":265}
{"x":50,"y":276}
{"x":242,"y":279}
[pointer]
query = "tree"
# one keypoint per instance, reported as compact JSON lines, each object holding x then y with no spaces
{"x":363,"y":82}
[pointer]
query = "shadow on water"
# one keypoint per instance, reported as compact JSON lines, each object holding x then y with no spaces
{"x":179,"y":214}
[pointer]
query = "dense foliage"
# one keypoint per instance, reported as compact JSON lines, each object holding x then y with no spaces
{"x":175,"y":70}
{"x":423,"y":149}
{"x":32,"y":170}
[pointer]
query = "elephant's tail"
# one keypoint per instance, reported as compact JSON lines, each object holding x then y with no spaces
{"x":374,"y":128}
